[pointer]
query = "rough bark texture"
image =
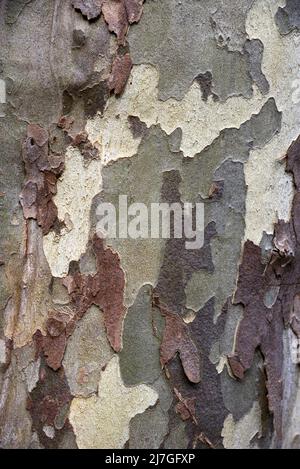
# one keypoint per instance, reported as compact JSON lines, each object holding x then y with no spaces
{"x":143,"y":343}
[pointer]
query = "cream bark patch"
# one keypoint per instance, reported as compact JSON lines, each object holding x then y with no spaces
{"x":102,"y":421}
{"x":75,"y":191}
{"x":200,"y":121}
{"x":239,"y":434}
{"x":270,"y":189}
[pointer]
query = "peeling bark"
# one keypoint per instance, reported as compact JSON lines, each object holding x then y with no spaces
{"x":104,"y":289}
{"x":141,"y":342}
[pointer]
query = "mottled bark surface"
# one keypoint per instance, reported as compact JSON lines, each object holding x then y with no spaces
{"x":143,"y":343}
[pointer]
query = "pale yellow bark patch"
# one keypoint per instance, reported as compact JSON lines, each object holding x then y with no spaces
{"x":102,"y":421}
{"x":270,"y":189}
{"x":76,"y":189}
{"x":237,"y":435}
{"x":200,"y":121}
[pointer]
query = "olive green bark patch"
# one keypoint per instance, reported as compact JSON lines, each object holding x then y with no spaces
{"x":179,"y":38}
{"x":139,"y":358}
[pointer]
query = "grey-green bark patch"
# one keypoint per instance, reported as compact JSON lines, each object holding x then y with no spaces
{"x":139,"y":358}
{"x":179,"y":39}
{"x":228,"y":22}
{"x":11,"y":228}
{"x":177,"y":437}
{"x":288,"y":17}
{"x":228,"y":215}
{"x":255,"y":50}
{"x":148,"y":430}
{"x":48,"y":60}
{"x":239,"y":396}
{"x":140,"y":178}
{"x":234,"y":144}
{"x":222,"y":163}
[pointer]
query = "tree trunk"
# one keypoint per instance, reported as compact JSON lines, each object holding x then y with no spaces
{"x":138,"y":339}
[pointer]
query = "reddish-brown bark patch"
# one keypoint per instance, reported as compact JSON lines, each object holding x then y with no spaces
{"x":119,"y":74}
{"x":119,"y":14}
{"x":42,"y":171}
{"x":49,"y":404}
{"x":186,"y":408}
{"x":87,"y":149}
{"x":59,"y":326}
{"x":207,"y":419}
{"x":134,"y":10}
{"x":177,"y":339}
{"x":263,"y":323}
{"x":261,"y":326}
{"x":115,"y":15}
{"x":104,"y":289}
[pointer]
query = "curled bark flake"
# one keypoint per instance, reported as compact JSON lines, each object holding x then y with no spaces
{"x":115,"y":15}
{"x":89,"y":8}
{"x":186,"y":408}
{"x":54,"y":349}
{"x":134,"y":10}
{"x":284,"y":239}
{"x":120,"y":72}
{"x":119,"y":14}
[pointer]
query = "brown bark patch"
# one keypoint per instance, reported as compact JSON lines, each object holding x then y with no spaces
{"x":59,"y":326}
{"x":261,"y":327}
{"x":119,"y":14}
{"x":104,"y":289}
{"x":177,"y":339}
{"x":49,"y":405}
{"x":87,"y":149}
{"x":263,"y":322}
{"x":42,"y":171}
{"x":120,"y":72}
{"x":186,"y":408}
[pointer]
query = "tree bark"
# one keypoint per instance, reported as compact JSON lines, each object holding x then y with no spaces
{"x":133,"y":341}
